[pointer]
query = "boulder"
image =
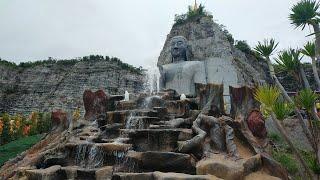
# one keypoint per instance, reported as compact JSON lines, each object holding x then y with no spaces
{"x":256,"y":124}
{"x":59,"y":119}
{"x":95,"y":104}
{"x":221,"y":167}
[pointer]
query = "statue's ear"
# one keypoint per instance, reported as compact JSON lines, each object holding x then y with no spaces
{"x":189,"y":53}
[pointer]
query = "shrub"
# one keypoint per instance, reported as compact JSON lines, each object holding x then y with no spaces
{"x":191,"y":14}
{"x":287,"y":160}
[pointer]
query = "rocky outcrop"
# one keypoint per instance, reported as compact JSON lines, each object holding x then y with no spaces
{"x":60,"y":86}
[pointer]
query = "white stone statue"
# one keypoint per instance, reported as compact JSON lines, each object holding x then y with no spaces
{"x":182,"y":74}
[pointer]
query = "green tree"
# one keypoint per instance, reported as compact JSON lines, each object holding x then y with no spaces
{"x":310,"y":51}
{"x":269,"y":97}
{"x":306,"y":13}
{"x":266,"y":49}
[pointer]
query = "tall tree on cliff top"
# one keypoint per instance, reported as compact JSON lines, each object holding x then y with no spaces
{"x":306,"y":13}
{"x":266,"y":49}
{"x":309,"y":50}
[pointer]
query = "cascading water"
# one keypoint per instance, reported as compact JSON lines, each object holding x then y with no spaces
{"x":89,"y":156}
{"x":152,"y":84}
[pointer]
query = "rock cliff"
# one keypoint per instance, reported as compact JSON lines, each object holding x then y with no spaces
{"x":55,"y":85}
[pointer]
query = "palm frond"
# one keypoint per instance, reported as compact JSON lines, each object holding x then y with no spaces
{"x":288,"y":60}
{"x":266,"y":48}
{"x":304,"y":13}
{"x":306,"y":98}
{"x":309,"y":49}
{"x":267,"y":95}
{"x":282,"y":110}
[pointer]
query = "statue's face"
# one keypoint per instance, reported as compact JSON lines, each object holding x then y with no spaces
{"x":179,"y":48}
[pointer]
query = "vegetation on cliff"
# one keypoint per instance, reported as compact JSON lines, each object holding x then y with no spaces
{"x":193,"y":13}
{"x":71,"y":62}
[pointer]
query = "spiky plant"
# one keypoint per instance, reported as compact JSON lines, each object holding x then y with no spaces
{"x":267,"y":95}
{"x":287,"y":62}
{"x":310,"y":51}
{"x":266,"y":49}
{"x":306,"y":98}
{"x":282,"y":110}
{"x":304,"y":13}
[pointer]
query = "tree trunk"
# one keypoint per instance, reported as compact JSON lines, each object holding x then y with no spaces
{"x":294,"y":150}
{"x":315,"y":72}
{"x":287,"y":97}
{"x":297,"y":112}
{"x":304,"y":77}
{"x":316,"y":29}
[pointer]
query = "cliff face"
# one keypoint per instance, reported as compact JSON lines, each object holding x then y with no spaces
{"x":52,"y":86}
{"x":208,"y":42}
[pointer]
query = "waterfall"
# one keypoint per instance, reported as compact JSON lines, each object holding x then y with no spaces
{"x":89,"y":156}
{"x":152,"y":84}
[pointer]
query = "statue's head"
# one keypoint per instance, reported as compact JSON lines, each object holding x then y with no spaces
{"x":179,"y":48}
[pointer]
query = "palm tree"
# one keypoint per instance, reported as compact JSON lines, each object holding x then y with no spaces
{"x":268,"y":96}
{"x":306,"y":13}
{"x":307,"y":99}
{"x":296,"y":55}
{"x":310,"y":50}
{"x":288,"y":63}
{"x":266,"y":49}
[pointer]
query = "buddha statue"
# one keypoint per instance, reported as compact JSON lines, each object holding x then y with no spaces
{"x":182,"y":73}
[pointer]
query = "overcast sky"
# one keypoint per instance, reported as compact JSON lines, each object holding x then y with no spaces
{"x":133,"y":30}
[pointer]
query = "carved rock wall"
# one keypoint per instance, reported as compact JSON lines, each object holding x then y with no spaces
{"x":53,"y":86}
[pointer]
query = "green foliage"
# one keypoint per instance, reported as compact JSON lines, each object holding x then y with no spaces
{"x":304,"y":13}
{"x":309,"y":49}
{"x":289,"y":61}
{"x":17,"y":126}
{"x":267,"y":95}
{"x":5,"y":136}
{"x":266,"y":48}
{"x":287,"y":160}
{"x":243,"y":46}
{"x":311,"y":160}
{"x":306,"y":98}
{"x":275,"y":137}
{"x":282,"y":110}
{"x":191,"y":14}
{"x":71,"y":62}
{"x":14,"y":148}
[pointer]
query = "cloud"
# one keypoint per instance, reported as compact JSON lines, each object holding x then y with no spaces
{"x":134,"y":31}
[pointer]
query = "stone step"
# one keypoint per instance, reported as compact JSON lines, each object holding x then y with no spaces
{"x":162,"y":161}
{"x":122,"y":116}
{"x":161,"y":176}
{"x":156,"y":139}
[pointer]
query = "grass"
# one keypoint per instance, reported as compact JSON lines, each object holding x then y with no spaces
{"x":14,"y":148}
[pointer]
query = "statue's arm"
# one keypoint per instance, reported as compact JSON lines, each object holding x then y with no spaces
{"x":162,"y":79}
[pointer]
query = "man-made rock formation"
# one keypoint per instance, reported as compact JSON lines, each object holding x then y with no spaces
{"x":223,"y":63}
{"x":60,"y":86}
{"x":150,"y":137}
{"x":95,"y":103}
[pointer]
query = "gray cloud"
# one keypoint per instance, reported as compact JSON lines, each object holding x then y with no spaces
{"x":131,"y":30}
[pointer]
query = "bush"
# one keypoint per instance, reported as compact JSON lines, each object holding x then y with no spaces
{"x":191,"y":14}
{"x":69,"y":62}
{"x":287,"y":160}
{"x":17,"y":126}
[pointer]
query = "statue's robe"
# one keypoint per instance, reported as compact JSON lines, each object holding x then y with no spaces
{"x":182,"y":76}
